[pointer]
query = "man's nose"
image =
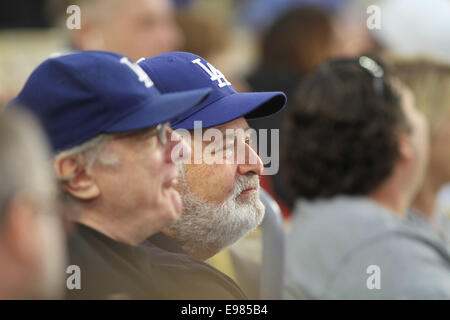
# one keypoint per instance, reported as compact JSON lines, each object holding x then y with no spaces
{"x":177,"y":150}
{"x":252,"y":164}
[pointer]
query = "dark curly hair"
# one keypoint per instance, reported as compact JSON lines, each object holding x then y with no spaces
{"x":341,"y":131}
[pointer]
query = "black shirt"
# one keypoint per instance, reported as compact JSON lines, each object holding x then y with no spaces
{"x":189,"y":277}
{"x":110,"y":269}
{"x":158,"y":269}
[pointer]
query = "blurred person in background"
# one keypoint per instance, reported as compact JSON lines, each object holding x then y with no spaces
{"x":107,"y":126}
{"x":201,"y":34}
{"x":430,"y":82}
{"x":356,"y":156}
{"x":349,"y":17}
{"x":297,"y":42}
{"x":429,"y":42}
{"x":141,"y":28}
{"x":259,"y":15}
{"x":352,"y":35}
{"x":32,"y":244}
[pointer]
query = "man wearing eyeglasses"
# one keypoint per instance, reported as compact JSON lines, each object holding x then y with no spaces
{"x":113,"y":154}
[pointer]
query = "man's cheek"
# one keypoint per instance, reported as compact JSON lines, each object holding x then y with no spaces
{"x":228,"y":178}
{"x":220,"y":182}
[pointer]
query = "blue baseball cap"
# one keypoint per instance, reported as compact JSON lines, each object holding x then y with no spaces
{"x":178,"y":71}
{"x":80,"y":95}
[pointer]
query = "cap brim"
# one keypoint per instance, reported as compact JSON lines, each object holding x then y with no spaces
{"x":165,"y":108}
{"x":251,"y":105}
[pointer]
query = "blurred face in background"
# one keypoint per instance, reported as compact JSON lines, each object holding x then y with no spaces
{"x":32,"y":243}
{"x":440,"y":150}
{"x":136,"y":29}
{"x":32,"y":249}
{"x":418,"y":138}
{"x":50,"y":241}
{"x":430,"y":82}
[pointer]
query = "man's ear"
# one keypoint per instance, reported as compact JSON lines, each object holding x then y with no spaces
{"x":80,"y":183}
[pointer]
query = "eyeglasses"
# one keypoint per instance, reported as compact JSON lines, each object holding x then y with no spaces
{"x":161,"y":132}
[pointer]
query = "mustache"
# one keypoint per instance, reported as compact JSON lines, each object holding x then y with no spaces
{"x":245,"y":182}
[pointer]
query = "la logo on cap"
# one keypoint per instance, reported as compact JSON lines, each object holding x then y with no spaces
{"x":215,"y":74}
{"x":142,"y":76}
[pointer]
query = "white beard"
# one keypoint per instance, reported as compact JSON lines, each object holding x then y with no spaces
{"x":206,"y":227}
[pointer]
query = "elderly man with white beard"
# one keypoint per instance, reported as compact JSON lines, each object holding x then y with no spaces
{"x":220,"y":197}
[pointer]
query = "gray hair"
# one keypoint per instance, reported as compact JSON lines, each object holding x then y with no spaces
{"x":91,"y":151}
{"x":24,"y":161}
